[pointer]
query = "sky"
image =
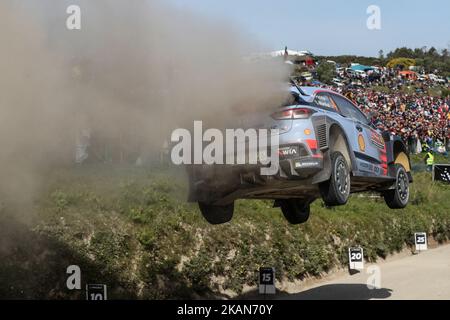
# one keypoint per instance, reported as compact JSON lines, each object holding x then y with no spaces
{"x":332,"y":27}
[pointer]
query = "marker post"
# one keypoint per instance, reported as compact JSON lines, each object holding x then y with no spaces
{"x":356,"y":258}
{"x":267,"y":281}
{"x":420,"y":239}
{"x":96,"y":292}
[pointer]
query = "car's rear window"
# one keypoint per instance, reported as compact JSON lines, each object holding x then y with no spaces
{"x":322,"y":100}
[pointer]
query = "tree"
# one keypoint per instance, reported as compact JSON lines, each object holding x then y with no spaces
{"x":326,"y":72}
{"x":401,"y":53}
{"x":403,"y":63}
{"x":433,"y":53}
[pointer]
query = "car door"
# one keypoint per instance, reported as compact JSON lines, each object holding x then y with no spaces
{"x":368,"y":144}
{"x":348,"y":125}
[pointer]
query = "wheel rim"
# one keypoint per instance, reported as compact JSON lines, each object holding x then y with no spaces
{"x":341,"y":176}
{"x":402,"y":185}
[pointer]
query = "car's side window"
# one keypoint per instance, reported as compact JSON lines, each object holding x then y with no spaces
{"x":349,"y":110}
{"x":323,"y":100}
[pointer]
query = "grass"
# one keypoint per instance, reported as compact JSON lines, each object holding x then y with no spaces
{"x":132,"y":229}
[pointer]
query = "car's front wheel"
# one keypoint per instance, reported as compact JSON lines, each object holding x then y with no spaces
{"x":295,"y":211}
{"x":336,"y":190}
{"x":216,"y":214}
{"x":398,"y":197}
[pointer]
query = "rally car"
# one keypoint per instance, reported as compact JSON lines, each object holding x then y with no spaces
{"x":328,"y":148}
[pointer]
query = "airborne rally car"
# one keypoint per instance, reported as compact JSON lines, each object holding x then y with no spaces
{"x":327,"y":148}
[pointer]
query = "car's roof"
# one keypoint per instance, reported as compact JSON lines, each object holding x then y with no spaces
{"x":308,"y":92}
{"x":312,"y":90}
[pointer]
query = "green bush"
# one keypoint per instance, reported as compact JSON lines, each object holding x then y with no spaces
{"x":326,"y":72}
{"x":141,"y":228}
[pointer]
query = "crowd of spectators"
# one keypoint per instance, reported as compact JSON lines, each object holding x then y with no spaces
{"x":411,"y":116}
{"x":421,"y":119}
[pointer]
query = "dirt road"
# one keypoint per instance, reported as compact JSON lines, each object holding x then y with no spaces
{"x":422,"y":276}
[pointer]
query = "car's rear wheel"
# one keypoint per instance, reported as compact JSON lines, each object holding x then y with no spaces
{"x":398,"y":197}
{"x":216,"y":214}
{"x":336,"y":190}
{"x":295,"y":211}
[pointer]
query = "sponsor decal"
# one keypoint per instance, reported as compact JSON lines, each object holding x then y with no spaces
{"x":377,"y":140}
{"x":288,"y":151}
{"x":306,"y":164}
{"x":361,"y":143}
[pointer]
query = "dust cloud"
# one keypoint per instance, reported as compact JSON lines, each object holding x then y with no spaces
{"x":135,"y":71}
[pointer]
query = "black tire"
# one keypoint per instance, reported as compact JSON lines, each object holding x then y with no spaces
{"x":336,"y":191}
{"x":295,"y":211}
{"x":398,"y":197}
{"x":216,"y":214}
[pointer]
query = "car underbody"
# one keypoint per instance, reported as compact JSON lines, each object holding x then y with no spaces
{"x":222,"y":184}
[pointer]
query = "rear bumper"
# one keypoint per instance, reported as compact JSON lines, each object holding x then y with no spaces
{"x":292,"y":168}
{"x":301,"y":167}
{"x":298,"y":160}
{"x":306,"y":162}
{"x":222,"y":184}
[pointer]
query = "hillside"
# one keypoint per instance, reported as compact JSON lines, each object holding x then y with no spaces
{"x":131,"y":229}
